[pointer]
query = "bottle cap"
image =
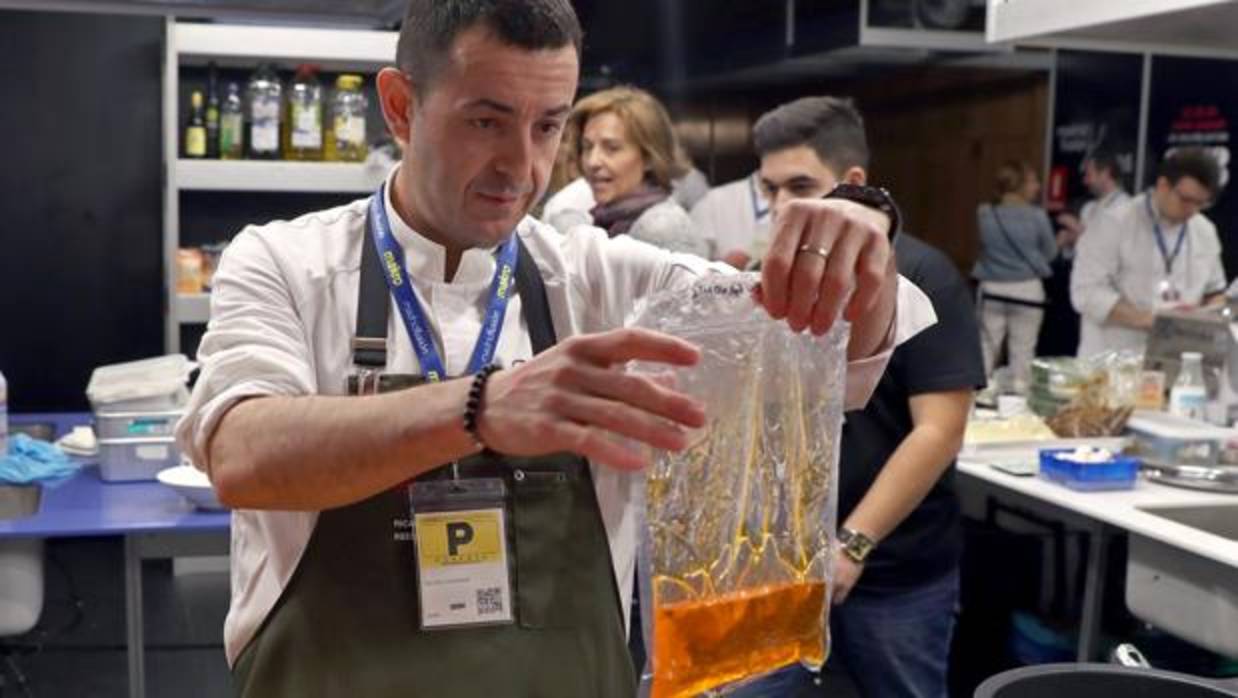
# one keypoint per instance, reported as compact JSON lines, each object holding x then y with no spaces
{"x":348,"y":82}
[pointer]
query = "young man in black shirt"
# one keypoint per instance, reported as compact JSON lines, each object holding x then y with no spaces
{"x":896,"y":571}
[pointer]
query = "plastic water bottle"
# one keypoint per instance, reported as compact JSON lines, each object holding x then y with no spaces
{"x":1189,"y":396}
{"x":4,"y":416}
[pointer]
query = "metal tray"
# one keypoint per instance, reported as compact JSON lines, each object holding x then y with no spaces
{"x":1217,"y":478}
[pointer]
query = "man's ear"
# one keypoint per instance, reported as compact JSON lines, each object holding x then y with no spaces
{"x":398,"y":101}
{"x":856,"y":176}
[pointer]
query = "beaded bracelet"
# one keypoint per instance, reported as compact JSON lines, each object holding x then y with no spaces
{"x":472,"y":408}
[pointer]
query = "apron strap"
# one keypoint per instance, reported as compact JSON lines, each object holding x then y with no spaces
{"x":369,"y":343}
{"x":533,"y":303}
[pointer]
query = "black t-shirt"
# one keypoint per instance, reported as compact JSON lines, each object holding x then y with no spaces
{"x":945,"y":357}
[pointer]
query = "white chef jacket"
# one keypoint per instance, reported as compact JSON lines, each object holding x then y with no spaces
{"x":1118,"y":258}
{"x":283,"y":312}
{"x":734,"y":216}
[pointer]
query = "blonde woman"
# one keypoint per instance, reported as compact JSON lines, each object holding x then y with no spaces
{"x":626,"y":149}
{"x":1016,"y":247}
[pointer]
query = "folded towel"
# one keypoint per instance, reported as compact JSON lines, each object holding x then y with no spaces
{"x":31,"y":460}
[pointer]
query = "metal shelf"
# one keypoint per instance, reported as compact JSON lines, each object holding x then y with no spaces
{"x":244,"y":45}
{"x":260,"y":175}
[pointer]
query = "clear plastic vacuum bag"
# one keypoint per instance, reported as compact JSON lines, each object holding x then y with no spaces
{"x":735,"y":558}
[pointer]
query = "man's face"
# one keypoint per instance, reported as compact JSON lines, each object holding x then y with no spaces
{"x":1095,"y":179}
{"x":794,"y":173}
{"x":483,"y":138}
{"x":1178,"y":202}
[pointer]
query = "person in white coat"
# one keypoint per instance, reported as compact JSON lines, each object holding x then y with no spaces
{"x":735,"y":218}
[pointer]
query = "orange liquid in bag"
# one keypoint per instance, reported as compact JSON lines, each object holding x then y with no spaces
{"x":700,"y":645}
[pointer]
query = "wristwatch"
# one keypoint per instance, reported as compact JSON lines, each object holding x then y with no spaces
{"x":855,"y":545}
{"x":872,"y":197}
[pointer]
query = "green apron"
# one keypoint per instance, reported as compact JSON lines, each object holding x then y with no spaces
{"x":347,"y":623}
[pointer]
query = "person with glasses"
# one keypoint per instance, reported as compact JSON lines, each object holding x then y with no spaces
{"x":1154,"y":252}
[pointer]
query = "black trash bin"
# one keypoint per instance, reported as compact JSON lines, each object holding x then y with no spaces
{"x":1097,"y":681}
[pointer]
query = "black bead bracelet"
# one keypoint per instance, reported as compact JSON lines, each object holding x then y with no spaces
{"x":472,"y":408}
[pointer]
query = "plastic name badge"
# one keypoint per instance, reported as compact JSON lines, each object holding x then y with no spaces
{"x":735,"y":557}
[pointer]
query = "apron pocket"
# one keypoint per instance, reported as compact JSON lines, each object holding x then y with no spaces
{"x":544,"y":507}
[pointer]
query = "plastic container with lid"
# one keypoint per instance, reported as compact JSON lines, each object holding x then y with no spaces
{"x":149,"y":384}
{"x":1116,"y":472}
{"x":1166,"y":438}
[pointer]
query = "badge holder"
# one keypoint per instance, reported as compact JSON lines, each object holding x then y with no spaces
{"x":461,"y":552}
{"x":1167,"y":294}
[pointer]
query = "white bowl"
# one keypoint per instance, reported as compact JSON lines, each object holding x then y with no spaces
{"x":192,"y":484}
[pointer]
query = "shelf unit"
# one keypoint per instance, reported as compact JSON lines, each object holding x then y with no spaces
{"x":1173,"y":27}
{"x":256,"y":175}
{"x":231,"y":45}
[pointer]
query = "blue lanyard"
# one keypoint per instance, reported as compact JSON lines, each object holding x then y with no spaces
{"x":415,"y":322}
{"x":1166,"y":257}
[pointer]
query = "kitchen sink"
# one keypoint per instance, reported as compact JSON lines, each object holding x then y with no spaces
{"x":1220,"y":520}
{"x":1191,"y":596}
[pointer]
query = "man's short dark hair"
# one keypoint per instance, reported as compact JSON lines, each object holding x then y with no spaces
{"x":431,"y":26}
{"x":1103,"y":158}
{"x":1195,"y":163}
{"x":831,"y":126}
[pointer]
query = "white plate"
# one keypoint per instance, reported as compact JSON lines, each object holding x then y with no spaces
{"x":192,"y":484}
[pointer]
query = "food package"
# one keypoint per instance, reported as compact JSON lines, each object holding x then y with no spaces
{"x":1103,"y":396}
{"x":735,"y":563}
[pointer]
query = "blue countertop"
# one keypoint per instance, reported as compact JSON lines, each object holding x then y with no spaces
{"x":85,"y":505}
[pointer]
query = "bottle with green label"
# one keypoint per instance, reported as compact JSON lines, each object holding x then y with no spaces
{"x":212,"y":113}
{"x":195,"y":132}
{"x":232,"y":125}
{"x":263,"y":116}
{"x":303,"y":136}
{"x":346,"y":122}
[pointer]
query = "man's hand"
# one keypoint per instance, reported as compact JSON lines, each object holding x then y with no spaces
{"x":1071,"y":223}
{"x":577,"y":397}
{"x":829,"y":256}
{"x":846,"y":573}
{"x":1130,"y":315}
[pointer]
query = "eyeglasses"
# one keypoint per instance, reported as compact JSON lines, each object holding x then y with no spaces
{"x":1199,"y":204}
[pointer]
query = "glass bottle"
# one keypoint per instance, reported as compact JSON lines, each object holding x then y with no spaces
{"x":1189,"y":395}
{"x":346,"y":123}
{"x":195,"y":132}
{"x":303,"y":136}
{"x":232,"y":125}
{"x":212,"y":113}
{"x":263,"y":129}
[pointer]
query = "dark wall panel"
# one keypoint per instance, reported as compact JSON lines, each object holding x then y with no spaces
{"x":1096,"y":104}
{"x":80,"y":201}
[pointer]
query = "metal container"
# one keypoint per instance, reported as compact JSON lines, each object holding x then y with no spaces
{"x":17,"y":501}
{"x":135,"y":425}
{"x":136,"y":458}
